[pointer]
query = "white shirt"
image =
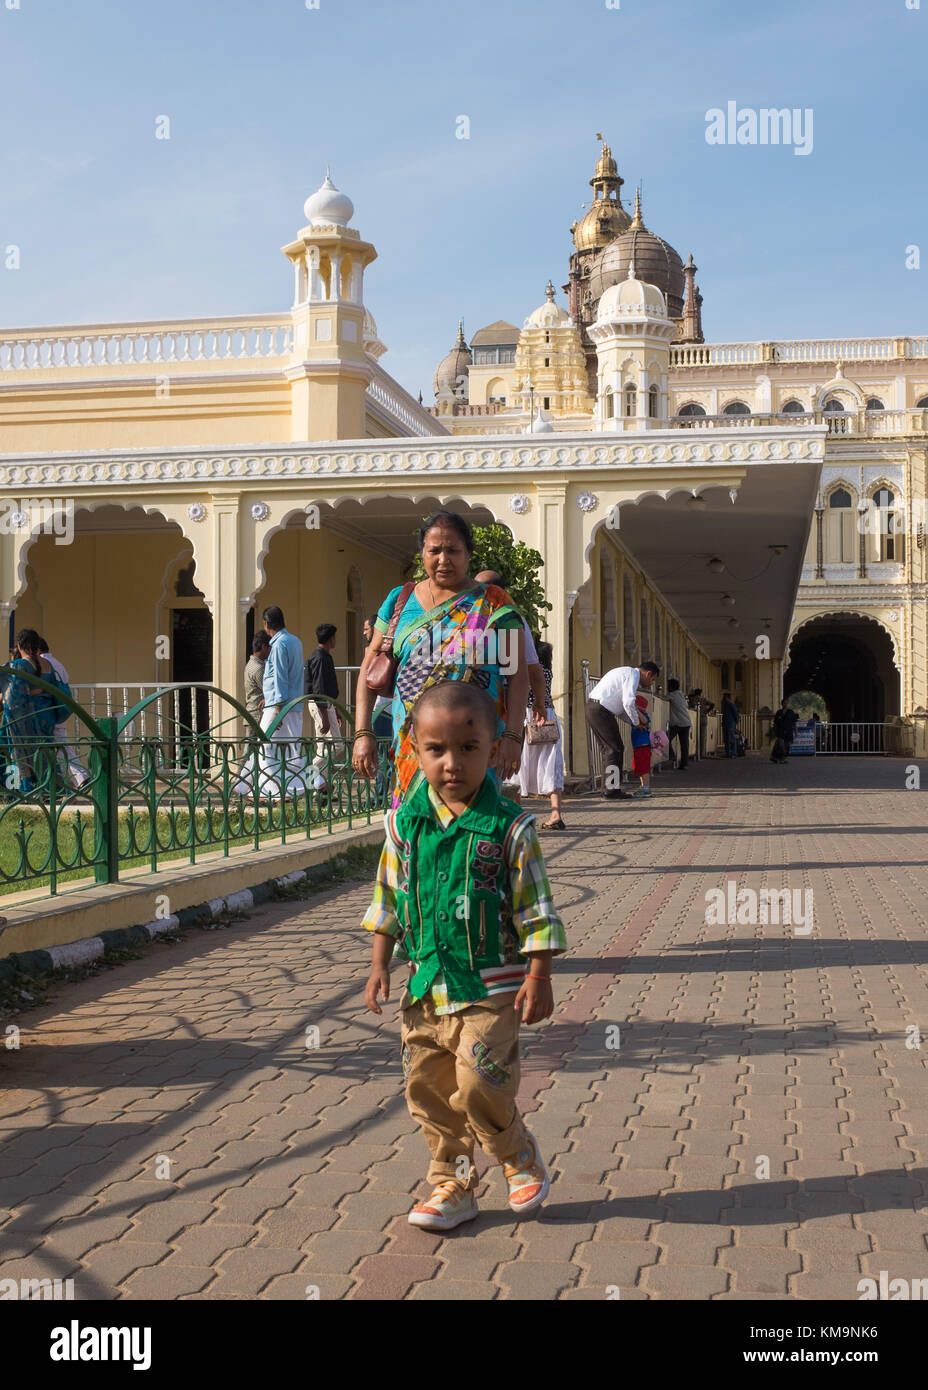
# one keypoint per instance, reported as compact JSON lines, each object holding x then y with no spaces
{"x":616,"y":692}
{"x":57,"y":667}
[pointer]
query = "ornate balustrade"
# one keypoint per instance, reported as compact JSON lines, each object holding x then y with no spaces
{"x":797,"y":350}
{"x":95,"y":346}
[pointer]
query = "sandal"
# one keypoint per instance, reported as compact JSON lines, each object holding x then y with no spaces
{"x":553,"y":825}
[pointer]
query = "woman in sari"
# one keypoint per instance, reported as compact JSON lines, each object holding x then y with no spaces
{"x":28,"y":718}
{"x":450,"y":628}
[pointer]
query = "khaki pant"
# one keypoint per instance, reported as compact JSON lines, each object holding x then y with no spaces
{"x":462,"y":1075}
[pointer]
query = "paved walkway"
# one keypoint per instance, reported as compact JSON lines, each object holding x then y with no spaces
{"x":285,"y":1167}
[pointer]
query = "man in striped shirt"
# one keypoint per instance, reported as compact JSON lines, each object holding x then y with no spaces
{"x":462,"y":888}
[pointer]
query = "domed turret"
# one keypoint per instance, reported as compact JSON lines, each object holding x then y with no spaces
{"x":451,"y":373}
{"x":632,"y":298}
{"x":606,"y":218}
{"x":547,"y":315}
{"x":655,"y":261}
{"x":327,"y":207}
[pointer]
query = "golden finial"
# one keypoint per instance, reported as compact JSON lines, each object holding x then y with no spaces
{"x":637,"y":223}
{"x":549,"y":292}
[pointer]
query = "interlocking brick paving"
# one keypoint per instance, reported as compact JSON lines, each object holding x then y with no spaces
{"x":166,"y":1132}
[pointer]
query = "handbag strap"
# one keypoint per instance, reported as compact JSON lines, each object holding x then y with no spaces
{"x":401,"y":600}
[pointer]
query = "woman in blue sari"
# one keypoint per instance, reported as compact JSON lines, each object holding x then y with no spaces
{"x":28,"y":713}
{"x":450,"y":628}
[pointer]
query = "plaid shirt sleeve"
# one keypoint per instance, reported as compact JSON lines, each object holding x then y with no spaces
{"x":534,"y":914}
{"x":381,"y":915}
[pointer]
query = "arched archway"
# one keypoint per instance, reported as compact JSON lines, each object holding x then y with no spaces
{"x":848,"y":659}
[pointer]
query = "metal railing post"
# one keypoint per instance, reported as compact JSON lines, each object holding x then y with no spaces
{"x":104,"y":762}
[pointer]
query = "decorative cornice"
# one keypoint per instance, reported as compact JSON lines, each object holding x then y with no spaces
{"x":456,"y":455}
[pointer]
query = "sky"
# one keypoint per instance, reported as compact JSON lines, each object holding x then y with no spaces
{"x":113,"y":224}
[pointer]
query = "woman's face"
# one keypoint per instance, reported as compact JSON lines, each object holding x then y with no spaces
{"x":445,"y":557}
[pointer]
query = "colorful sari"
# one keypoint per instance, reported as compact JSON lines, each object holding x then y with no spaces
{"x":460,"y":639}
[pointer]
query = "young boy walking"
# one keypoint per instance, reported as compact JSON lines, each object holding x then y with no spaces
{"x":462,"y":890}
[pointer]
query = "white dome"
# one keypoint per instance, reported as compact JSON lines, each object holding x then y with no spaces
{"x":327,"y":207}
{"x":547,"y":315}
{"x":629,"y":298}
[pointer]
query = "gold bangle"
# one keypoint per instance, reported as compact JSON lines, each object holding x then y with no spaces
{"x":508,"y":733}
{"x":364,"y":733}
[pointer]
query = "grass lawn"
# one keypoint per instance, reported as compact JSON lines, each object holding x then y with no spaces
{"x":171,"y":830}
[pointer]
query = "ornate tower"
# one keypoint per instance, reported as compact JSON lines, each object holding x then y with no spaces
{"x":329,"y":371}
{"x":632,"y":336}
{"x":604,"y":220}
{"x":550,"y":356}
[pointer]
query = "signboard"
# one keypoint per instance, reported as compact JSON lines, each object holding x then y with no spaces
{"x":803,"y":739}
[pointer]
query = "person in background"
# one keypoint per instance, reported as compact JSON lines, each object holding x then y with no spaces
{"x":441,"y":620}
{"x":678,"y":724}
{"x":76,"y":771}
{"x":283,"y":682}
{"x":542,"y":769}
{"x":254,"y":674}
{"x":27,"y":711}
{"x":730,"y":717}
{"x":641,"y":745}
{"x":254,"y":703}
{"x":321,"y":679}
{"x":784,"y":729}
{"x":611,"y":700}
{"x":536,"y":678}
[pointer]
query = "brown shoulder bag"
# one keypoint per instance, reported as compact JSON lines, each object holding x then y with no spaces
{"x":381,"y":674}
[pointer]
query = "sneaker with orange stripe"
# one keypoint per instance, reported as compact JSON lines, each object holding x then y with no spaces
{"x":528,"y":1180}
{"x":449,"y":1205}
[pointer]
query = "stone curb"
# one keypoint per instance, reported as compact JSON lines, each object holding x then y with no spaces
{"x":93,"y":947}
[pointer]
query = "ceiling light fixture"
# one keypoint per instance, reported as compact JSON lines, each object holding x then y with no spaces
{"x":716,"y":565}
{"x":728,"y":600}
{"x":696,"y":503}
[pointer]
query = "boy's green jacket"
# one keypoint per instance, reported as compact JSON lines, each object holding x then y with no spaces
{"x":454,"y":905}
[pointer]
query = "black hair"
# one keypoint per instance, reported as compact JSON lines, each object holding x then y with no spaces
{"x":454,"y":522}
{"x":274,"y":616}
{"x":372,"y":619}
{"x":673,"y":685}
{"x":324,"y":631}
{"x":259,"y":642}
{"x":458,"y":694}
{"x":43,"y":645}
{"x":726,"y":694}
{"x":545,"y":652}
{"x":27,"y":639}
{"x":651,"y":666}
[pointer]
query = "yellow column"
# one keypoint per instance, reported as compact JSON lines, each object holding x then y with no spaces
{"x":223,"y":598}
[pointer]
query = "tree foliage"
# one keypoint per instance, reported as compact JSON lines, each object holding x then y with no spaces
{"x":520,"y":567}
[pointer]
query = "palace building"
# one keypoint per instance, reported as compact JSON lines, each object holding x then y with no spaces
{"x":743,"y":513}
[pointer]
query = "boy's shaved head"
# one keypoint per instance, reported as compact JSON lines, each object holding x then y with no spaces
{"x":458,"y":695}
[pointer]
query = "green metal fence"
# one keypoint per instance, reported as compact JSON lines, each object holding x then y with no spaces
{"x":76,"y":809}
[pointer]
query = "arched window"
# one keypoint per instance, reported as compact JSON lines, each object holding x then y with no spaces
{"x":890,"y":527}
{"x":654,"y":398}
{"x":739,"y":673}
{"x":793,"y":408}
{"x":608,"y":404}
{"x":690,"y":413}
{"x":922,"y":404}
{"x":836,"y":417}
{"x":725,"y":681}
{"x":737,"y":408}
{"x":874,"y":403}
{"x":840,"y":530}
{"x":631,"y":400}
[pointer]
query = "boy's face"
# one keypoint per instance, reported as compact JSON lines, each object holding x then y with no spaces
{"x":454,"y":747}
